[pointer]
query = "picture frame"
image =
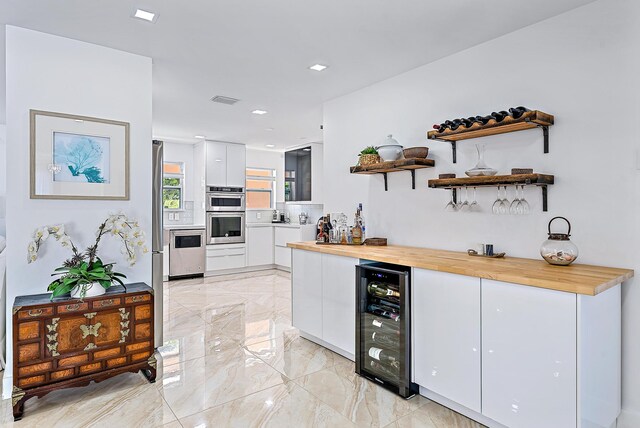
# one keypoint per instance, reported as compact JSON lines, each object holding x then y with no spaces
{"x":78,"y":157}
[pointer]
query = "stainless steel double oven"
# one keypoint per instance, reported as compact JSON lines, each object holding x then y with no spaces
{"x":225,"y":215}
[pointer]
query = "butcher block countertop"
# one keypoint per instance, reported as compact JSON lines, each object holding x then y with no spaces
{"x":576,"y":278}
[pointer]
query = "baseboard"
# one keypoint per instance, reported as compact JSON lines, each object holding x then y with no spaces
{"x":321,"y":342}
{"x":246,"y":269}
{"x":628,"y":419}
{"x":471,"y":414}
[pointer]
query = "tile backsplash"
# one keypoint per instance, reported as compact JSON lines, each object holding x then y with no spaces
{"x":314,"y":211}
{"x":185,"y":216}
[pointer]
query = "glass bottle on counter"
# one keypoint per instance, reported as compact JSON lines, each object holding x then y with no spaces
{"x":362,"y":226}
{"x":356,"y":230}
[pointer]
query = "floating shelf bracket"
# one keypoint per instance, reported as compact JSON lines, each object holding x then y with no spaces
{"x":386,"y":185}
{"x":544,"y":198}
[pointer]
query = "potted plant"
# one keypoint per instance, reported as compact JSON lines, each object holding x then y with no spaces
{"x":84,"y":274}
{"x":368,"y":156}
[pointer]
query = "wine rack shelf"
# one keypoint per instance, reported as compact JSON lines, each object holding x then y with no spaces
{"x":529,"y":120}
{"x":540,"y":180}
{"x":383,"y":168}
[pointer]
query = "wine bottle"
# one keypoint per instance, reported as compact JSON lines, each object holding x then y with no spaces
{"x":384,"y":312}
{"x":483,"y":119}
{"x":382,"y":290}
{"x":455,"y":124}
{"x":382,"y":326}
{"x":363,"y":228}
{"x":385,"y":356}
{"x":385,"y":371}
{"x":517,"y":112}
{"x":499,"y":116}
{"x":385,"y":339}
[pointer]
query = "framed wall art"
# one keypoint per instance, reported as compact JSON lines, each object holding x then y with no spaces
{"x":78,"y":157}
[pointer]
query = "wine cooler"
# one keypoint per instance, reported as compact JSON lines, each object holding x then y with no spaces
{"x":383,"y":326}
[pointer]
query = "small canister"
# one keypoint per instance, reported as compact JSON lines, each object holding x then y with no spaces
{"x":558,"y":249}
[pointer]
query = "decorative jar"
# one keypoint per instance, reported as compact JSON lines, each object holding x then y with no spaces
{"x":558,"y":249}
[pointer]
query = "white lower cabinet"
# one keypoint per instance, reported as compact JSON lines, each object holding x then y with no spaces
{"x":528,"y":356}
{"x":324,"y":292}
{"x":260,"y":246}
{"x":225,"y":256}
{"x":446,"y":335}
{"x":282,"y":256}
{"x":339,"y":301}
{"x":306,"y":292}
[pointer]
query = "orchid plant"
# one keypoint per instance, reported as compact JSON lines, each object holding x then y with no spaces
{"x":84,"y":268}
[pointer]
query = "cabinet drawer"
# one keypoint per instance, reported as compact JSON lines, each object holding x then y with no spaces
{"x":226,"y":262}
{"x":29,"y":352}
{"x":283,"y":235}
{"x":106,"y":303}
{"x":139,"y":298}
{"x":35,"y":313}
{"x":142,"y":331}
{"x":35,"y":368}
{"x":29,"y":330}
{"x":225,"y":251}
{"x":73,"y":307}
{"x":142,"y":312}
{"x":29,"y":381}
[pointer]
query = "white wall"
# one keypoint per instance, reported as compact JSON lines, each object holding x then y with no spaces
{"x":3,"y":178}
{"x":257,"y":158}
{"x":51,"y":73}
{"x":583,"y":68}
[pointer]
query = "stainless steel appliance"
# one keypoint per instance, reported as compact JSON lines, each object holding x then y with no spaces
{"x":383,"y":326}
{"x":225,"y":199}
{"x":156,"y":239}
{"x":187,"y":253}
{"x":225,"y":227}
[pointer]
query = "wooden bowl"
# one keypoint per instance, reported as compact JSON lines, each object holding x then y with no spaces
{"x":416,"y":152}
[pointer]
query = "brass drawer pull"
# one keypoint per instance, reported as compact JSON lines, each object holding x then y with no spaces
{"x":107,"y":302}
{"x":138,"y":298}
{"x":35,"y":312}
{"x":74,"y":307}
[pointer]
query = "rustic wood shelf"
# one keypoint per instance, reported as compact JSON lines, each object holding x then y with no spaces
{"x":529,"y":120}
{"x":541,"y":180}
{"x":383,"y":168}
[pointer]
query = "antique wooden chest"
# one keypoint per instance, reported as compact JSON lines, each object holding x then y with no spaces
{"x":65,"y":342}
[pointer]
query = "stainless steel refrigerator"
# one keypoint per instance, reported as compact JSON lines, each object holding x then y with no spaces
{"x":157,"y":240}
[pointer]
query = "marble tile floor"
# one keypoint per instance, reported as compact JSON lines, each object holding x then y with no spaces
{"x":232,"y":359}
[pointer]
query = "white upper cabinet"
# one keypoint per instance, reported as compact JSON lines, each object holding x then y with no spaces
{"x":446,"y":335}
{"x":528,"y":356}
{"x":236,"y":165}
{"x":226,"y":164}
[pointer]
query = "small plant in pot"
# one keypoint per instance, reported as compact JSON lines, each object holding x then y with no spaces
{"x":84,"y":274}
{"x":368,"y":156}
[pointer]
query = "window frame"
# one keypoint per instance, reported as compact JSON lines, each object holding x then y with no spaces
{"x":270,"y":178}
{"x":180,"y":187}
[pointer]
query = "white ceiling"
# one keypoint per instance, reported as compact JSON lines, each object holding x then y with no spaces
{"x":259,"y":51}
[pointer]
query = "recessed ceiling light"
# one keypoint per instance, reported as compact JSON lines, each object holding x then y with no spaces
{"x":271,"y":146}
{"x":269,"y":129}
{"x":259,"y":112}
{"x":317,"y":67}
{"x":199,"y":136}
{"x":306,"y":150}
{"x":143,"y":14}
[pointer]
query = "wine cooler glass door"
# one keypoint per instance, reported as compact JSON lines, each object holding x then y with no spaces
{"x":382,"y":347}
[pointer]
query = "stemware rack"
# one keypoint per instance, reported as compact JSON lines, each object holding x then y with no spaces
{"x":410,"y":164}
{"x":540,"y":180}
{"x":529,"y":120}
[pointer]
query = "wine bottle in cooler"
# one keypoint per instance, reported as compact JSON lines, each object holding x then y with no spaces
{"x":382,"y":325}
{"x":381,"y":368}
{"x":384,"y":356}
{"x":384,"y":311}
{"x":388,"y":340}
{"x":382,"y":290}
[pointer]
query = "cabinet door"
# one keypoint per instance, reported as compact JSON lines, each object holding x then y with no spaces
{"x":216,"y":170}
{"x":446,"y":335}
{"x":528,"y":356}
{"x":259,"y":246}
{"x":236,"y":165}
{"x":306,"y":292}
{"x":339,"y":301}
{"x":284,"y":235}
{"x":282,"y":256}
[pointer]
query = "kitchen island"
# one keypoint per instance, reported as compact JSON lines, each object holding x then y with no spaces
{"x":508,"y":342}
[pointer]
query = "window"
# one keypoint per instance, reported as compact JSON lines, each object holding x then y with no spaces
{"x":173,"y":186}
{"x":260,"y":185}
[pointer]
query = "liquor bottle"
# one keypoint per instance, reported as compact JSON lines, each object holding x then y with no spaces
{"x":356,"y":230}
{"x":386,"y":357}
{"x":382,"y":290}
{"x":390,"y":372}
{"x":363,"y":237}
{"x":320,"y":230}
{"x":385,"y":339}
{"x":326,"y":228}
{"x":517,"y":112}
{"x":383,"y":311}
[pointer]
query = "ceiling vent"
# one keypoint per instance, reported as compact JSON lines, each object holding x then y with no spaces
{"x":224,"y":100}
